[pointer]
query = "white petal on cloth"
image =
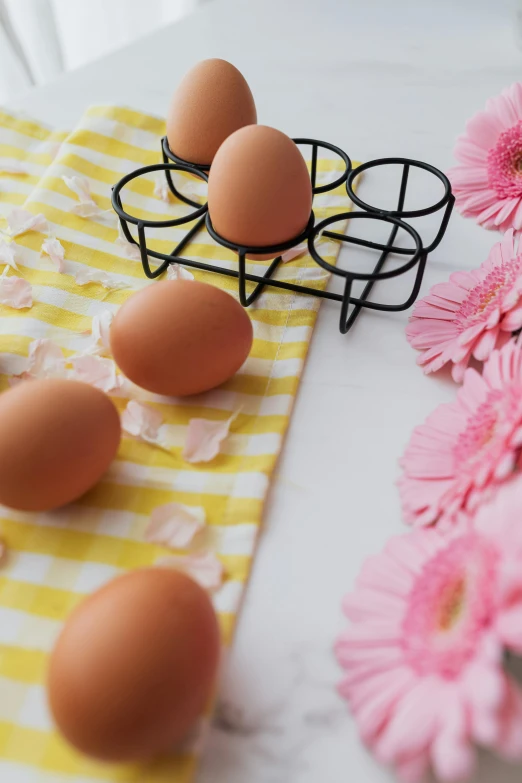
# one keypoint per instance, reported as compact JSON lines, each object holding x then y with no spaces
{"x":100,"y":329}
{"x":55,"y":250}
{"x":81,"y":188}
{"x":174,"y":525}
{"x":11,"y":166}
{"x":130,"y":250}
{"x":88,"y":275}
{"x":161,"y":188}
{"x":20,"y":220}
{"x":8,"y":254}
{"x":96,"y":371}
{"x":178,"y":272}
{"x":204,"y":439}
{"x":142,"y":421}
{"x":294,"y":252}
{"x":87,"y":208}
{"x":205,"y":569}
{"x":45,"y":360}
{"x":16,"y":292}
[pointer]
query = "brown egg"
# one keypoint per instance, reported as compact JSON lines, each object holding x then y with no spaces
{"x":212,"y":101}
{"x":134,"y":666}
{"x":259,"y":189}
{"x":180,"y":337}
{"x":57,"y":438}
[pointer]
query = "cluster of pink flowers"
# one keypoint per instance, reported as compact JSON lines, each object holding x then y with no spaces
{"x":436,"y":614}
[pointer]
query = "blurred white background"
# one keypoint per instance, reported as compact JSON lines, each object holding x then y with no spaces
{"x":41,"y":38}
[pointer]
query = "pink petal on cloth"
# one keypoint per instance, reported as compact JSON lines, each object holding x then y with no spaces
{"x":142,"y":421}
{"x":130,"y":250}
{"x":80,"y":187}
{"x":55,"y":250}
{"x":161,"y":187}
{"x":294,"y":252}
{"x":46,"y":359}
{"x":7,"y":254}
{"x":178,"y":272}
{"x":12,"y":166}
{"x":100,"y":330}
{"x":96,"y":371}
{"x":87,"y":210}
{"x":205,"y":569}
{"x":88,"y":275}
{"x":174,"y":525}
{"x":204,"y":439}
{"x":21,"y":220}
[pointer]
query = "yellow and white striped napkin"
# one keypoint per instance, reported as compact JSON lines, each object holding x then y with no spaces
{"x":57,"y":558}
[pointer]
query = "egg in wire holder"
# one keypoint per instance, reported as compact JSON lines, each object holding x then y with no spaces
{"x":351,"y":306}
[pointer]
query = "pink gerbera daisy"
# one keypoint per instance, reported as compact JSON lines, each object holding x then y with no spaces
{"x":424,"y":653}
{"x":471,"y":314}
{"x":488,"y":183}
{"x":465,"y":447}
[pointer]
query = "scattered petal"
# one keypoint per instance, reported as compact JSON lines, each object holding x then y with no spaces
{"x":87,"y":275}
{"x":142,"y":421}
{"x":16,"y":292}
{"x":178,"y":272}
{"x":87,"y":210}
{"x":174,"y":525}
{"x":80,"y":187}
{"x":7,"y":254}
{"x":96,"y":371}
{"x":55,"y":250}
{"x":10,"y":166}
{"x":204,"y":439}
{"x":129,"y":248}
{"x":205,"y":569}
{"x":294,"y":252}
{"x":45,"y":360}
{"x":21,"y":220}
{"x":161,"y":187}
{"x":100,"y":329}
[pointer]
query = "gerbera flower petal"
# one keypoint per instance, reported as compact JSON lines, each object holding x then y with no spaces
{"x":480,"y":448}
{"x":510,"y":740}
{"x":453,"y":758}
{"x":440,"y":687}
{"x":466,"y":151}
{"x":501,"y":107}
{"x":514,"y":94}
{"x":413,"y":725}
{"x":484,"y":129}
{"x":512,"y":321}
{"x":485,"y":344}
{"x":488,"y":182}
{"x":482,"y":305}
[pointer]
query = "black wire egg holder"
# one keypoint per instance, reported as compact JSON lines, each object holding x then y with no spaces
{"x":396,"y":218}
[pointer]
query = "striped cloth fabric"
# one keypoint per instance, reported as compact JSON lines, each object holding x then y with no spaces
{"x":54,"y":559}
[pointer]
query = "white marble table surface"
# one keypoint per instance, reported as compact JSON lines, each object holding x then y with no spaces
{"x":377,"y":78}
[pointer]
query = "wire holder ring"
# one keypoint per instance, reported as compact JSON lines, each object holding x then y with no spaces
{"x":351,"y":306}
